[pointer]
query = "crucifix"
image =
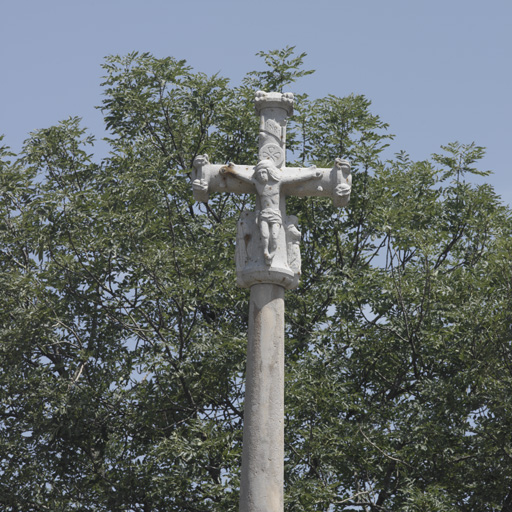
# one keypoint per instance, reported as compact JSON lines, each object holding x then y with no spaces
{"x":268,"y":262}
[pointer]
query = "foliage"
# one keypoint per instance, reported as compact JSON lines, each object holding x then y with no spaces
{"x":122,"y":332}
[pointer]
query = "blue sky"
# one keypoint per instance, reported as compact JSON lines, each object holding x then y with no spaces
{"x":436,"y":71}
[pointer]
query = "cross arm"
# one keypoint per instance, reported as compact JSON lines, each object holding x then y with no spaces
{"x":335,"y":183}
{"x":208,"y":178}
{"x":303,"y":175}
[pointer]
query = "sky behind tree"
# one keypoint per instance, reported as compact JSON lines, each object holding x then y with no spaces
{"x":436,"y":71}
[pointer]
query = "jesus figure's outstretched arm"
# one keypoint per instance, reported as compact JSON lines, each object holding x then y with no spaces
{"x":230,"y":170}
{"x":306,"y":175}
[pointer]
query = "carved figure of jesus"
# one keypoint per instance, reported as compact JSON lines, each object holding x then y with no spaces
{"x":268,"y":179}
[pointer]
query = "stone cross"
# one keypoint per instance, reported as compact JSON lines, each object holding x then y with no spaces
{"x":268,"y":262}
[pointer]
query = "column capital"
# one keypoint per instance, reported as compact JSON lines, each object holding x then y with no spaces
{"x":274,"y":100}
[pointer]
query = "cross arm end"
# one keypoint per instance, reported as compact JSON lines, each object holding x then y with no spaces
{"x":208,"y":178}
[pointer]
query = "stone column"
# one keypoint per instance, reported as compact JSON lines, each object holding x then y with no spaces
{"x":268,"y":262}
{"x":262,"y":477}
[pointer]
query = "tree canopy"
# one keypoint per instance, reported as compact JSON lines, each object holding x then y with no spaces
{"x":123,"y":333}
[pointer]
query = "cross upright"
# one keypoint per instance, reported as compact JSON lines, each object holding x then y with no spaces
{"x":268,"y":262}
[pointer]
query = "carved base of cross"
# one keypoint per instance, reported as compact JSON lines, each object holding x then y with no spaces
{"x":283,"y":268}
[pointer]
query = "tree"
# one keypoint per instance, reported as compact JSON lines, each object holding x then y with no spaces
{"x":122,"y":331}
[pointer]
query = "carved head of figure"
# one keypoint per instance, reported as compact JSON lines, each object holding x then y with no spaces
{"x":266,"y":169}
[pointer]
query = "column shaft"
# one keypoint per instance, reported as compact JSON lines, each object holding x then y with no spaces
{"x":262,"y":477}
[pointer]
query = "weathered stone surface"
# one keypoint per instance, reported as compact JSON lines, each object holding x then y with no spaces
{"x":263,"y":441}
{"x":274,"y":109}
{"x":268,"y":238}
{"x":268,"y":261}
